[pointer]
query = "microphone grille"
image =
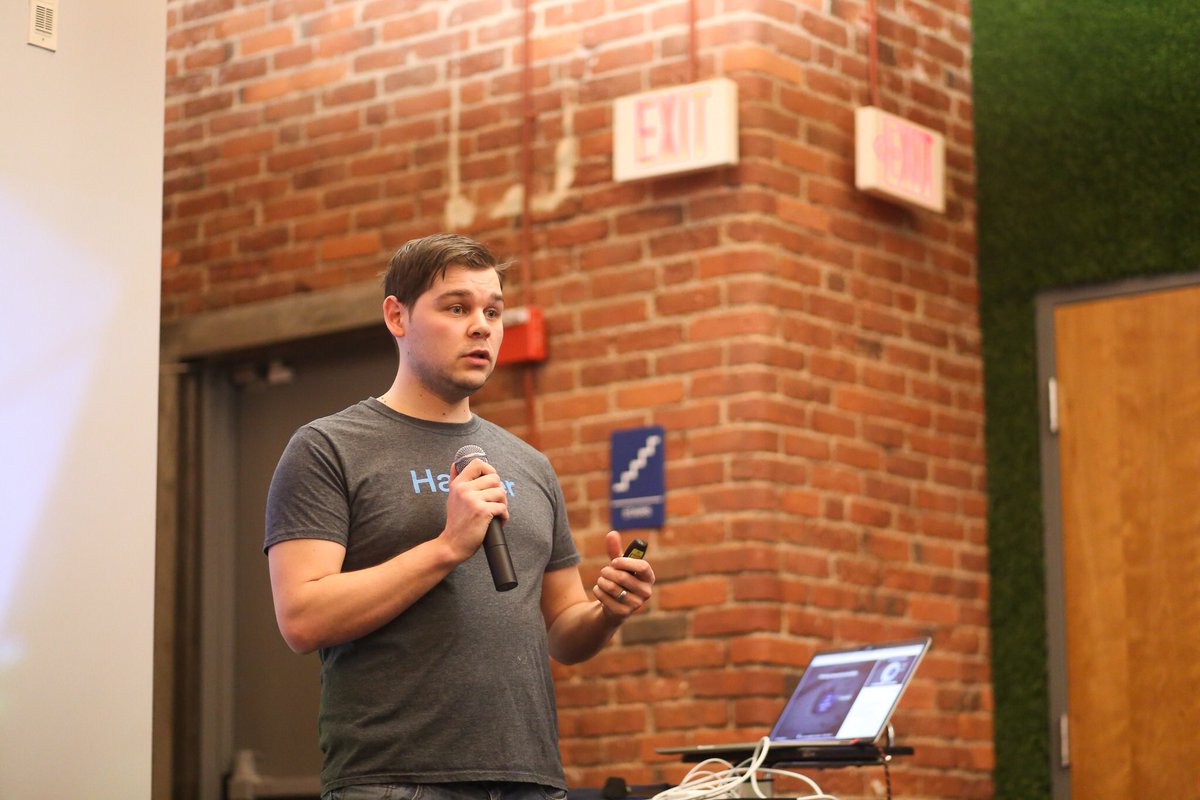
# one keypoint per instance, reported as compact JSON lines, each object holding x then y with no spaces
{"x":466,"y":454}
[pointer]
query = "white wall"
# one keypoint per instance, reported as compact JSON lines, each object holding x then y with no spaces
{"x":80,"y":230}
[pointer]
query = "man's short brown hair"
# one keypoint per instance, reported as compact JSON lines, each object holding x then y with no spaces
{"x":418,"y":263}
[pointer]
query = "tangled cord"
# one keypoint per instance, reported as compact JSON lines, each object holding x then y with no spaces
{"x":702,"y":782}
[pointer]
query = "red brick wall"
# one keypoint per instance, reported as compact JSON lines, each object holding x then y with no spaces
{"x":813,"y":353}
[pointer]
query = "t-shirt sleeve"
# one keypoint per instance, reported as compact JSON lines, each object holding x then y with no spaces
{"x":563,"y":551}
{"x":308,"y":498}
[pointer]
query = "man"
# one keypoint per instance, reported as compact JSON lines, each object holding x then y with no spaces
{"x":432,"y":681}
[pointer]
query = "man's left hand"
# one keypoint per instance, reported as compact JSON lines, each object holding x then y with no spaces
{"x":625,"y":584}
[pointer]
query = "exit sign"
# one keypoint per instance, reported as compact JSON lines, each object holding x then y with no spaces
{"x":680,"y":129}
{"x":899,"y":160}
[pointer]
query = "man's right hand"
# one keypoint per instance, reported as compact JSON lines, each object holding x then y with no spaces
{"x":476,"y":496}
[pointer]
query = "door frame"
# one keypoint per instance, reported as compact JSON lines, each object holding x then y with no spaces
{"x":193,"y":647}
{"x":1051,"y":485}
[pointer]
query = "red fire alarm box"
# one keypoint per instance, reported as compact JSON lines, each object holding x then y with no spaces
{"x":524,"y":336}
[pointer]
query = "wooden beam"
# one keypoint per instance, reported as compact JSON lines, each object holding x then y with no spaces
{"x":272,"y":322}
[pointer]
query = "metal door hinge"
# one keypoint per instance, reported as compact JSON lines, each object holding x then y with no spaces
{"x":1064,"y":740}
{"x":1052,"y":403}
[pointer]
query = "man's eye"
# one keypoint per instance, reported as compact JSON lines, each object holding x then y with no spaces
{"x":493,"y":313}
{"x":455,"y":309}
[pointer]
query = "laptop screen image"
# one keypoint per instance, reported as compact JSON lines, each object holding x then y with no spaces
{"x":841,"y":705}
{"x":848,"y":695}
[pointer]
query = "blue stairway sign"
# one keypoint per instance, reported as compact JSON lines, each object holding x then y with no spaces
{"x":637,"y":490}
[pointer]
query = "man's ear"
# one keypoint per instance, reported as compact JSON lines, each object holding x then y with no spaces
{"x":395,"y":315}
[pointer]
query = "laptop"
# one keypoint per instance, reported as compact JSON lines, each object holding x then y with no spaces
{"x":839,"y":709}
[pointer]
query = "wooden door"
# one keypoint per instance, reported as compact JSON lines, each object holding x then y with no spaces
{"x":1128,"y":376}
{"x":275,"y":693}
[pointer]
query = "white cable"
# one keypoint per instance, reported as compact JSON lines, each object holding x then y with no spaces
{"x":702,"y":783}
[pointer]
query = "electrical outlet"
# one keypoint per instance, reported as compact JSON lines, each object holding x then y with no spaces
{"x":43,"y":24}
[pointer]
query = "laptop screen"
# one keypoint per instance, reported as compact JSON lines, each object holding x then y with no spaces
{"x":849,"y":694}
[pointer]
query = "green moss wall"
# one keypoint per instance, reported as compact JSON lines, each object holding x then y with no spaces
{"x":1087,"y":118}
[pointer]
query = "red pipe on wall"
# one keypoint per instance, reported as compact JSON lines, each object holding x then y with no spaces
{"x":527,"y":191}
{"x":693,"y":68}
{"x":873,"y":52}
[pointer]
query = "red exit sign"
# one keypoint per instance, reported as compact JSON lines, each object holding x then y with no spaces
{"x":679,"y":129}
{"x":899,"y":160}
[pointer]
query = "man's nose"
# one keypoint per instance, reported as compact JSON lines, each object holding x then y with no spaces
{"x":480,"y":325}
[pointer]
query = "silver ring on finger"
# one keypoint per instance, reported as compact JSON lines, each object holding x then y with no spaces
{"x":621,"y":596}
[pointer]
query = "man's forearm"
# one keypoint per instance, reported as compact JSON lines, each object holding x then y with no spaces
{"x":581,"y":631}
{"x":343,"y":606}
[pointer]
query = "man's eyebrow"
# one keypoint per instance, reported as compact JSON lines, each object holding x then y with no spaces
{"x":450,"y":294}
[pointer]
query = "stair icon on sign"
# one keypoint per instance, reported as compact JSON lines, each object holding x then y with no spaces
{"x":644,"y":454}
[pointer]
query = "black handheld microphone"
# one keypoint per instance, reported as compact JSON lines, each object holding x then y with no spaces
{"x":494,"y":545}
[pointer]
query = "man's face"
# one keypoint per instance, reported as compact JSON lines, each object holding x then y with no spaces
{"x":453,"y":332}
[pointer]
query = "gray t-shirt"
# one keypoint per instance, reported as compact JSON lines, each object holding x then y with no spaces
{"x":457,"y":687}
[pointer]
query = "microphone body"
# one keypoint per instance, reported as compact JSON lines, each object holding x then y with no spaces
{"x":495,"y":546}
